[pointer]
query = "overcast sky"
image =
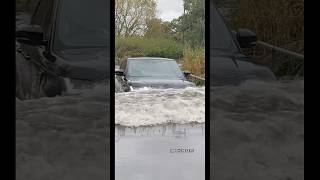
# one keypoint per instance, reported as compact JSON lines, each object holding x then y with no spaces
{"x":169,"y":9}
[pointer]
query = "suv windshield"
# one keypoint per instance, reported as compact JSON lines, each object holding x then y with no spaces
{"x":157,"y":68}
{"x":221,"y":38}
{"x":82,"y":24}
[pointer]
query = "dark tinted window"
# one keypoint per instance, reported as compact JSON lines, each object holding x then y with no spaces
{"x":42,"y":15}
{"x":221,"y":38}
{"x":82,"y":23}
{"x":158,"y":68}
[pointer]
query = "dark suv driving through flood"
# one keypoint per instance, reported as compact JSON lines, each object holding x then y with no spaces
{"x":152,"y":72}
{"x":228,"y":65}
{"x":62,"y":40}
{"x":68,"y":41}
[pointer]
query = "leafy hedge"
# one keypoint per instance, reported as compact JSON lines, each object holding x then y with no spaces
{"x":150,"y":47}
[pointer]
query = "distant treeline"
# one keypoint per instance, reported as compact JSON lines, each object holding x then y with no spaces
{"x":138,"y":18}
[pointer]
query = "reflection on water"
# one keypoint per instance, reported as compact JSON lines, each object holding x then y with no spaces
{"x":172,"y":151}
{"x":167,"y":130}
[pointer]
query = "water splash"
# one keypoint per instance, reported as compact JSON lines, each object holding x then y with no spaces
{"x":118,"y":86}
{"x":145,"y":107}
{"x":65,"y":137}
{"x":257,"y":131}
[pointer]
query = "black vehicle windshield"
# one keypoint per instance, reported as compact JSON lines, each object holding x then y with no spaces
{"x":221,"y":38}
{"x":154,"y":68}
{"x":82,"y":24}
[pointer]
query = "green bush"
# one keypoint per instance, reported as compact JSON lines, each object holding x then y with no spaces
{"x":194,"y":60}
{"x":150,"y":47}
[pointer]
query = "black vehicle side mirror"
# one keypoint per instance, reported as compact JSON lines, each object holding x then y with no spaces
{"x":30,"y":34}
{"x":186,"y":73}
{"x":119,"y":72}
{"x":246,"y":38}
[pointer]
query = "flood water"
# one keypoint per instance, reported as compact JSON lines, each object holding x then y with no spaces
{"x":160,"y":152}
{"x":145,"y":107}
{"x":160,"y":134}
{"x":257,"y":132}
{"x":65,"y":138}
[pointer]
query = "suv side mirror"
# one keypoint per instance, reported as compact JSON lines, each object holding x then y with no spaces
{"x":30,"y":34}
{"x":246,"y":38}
{"x":119,"y":72}
{"x":186,"y":73}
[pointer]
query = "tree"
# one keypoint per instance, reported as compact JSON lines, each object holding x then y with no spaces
{"x":154,"y":28}
{"x":131,"y":16}
{"x":158,"y":28}
{"x":192,"y":23}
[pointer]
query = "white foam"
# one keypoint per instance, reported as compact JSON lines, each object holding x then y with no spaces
{"x":145,"y":107}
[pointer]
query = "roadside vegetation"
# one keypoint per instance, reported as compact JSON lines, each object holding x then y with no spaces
{"x":139,"y":32}
{"x":193,"y":60}
{"x":277,"y":22}
{"x":151,"y":47}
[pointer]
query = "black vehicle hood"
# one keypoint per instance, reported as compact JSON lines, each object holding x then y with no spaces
{"x":159,"y":83}
{"x":228,"y":71}
{"x":92,"y":65}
